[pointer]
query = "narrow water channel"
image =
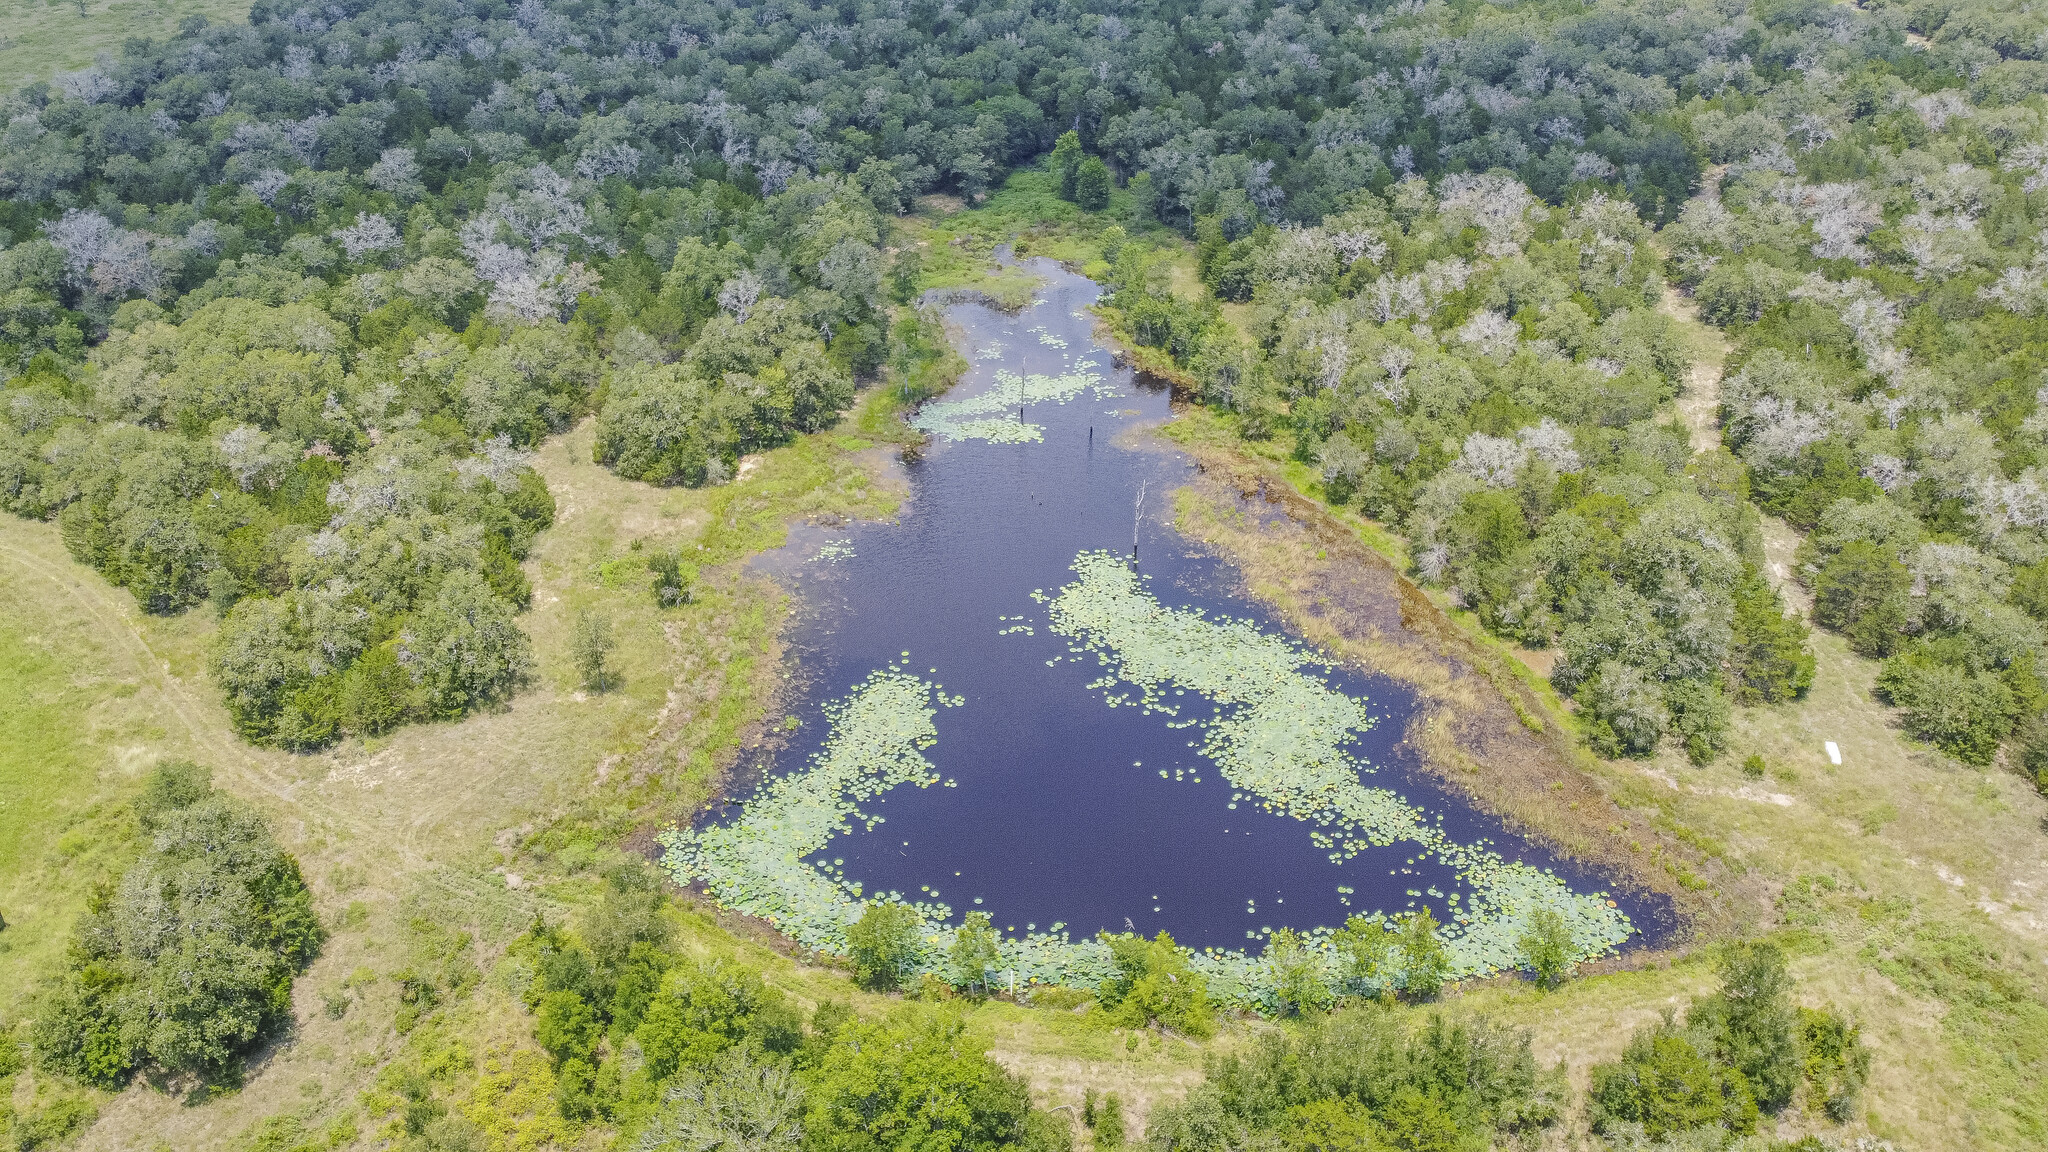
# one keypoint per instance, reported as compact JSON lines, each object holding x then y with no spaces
{"x":1064,"y":802}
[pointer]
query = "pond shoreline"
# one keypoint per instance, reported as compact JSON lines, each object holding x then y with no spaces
{"x":972,"y":519}
{"x":1483,"y":731}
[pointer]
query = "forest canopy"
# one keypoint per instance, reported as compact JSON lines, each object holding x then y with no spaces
{"x":286,"y":305}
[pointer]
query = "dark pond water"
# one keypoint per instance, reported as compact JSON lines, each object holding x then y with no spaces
{"x":1059,"y":814}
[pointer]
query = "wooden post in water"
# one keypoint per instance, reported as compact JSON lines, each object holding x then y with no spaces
{"x":1137,"y":514}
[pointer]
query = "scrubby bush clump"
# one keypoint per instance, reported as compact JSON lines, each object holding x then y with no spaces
{"x":1738,"y":1055}
{"x":681,"y":1052}
{"x":187,"y":963}
{"x":1365,"y":1080}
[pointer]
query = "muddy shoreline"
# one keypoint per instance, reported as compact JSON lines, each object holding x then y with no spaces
{"x":1482,"y":730}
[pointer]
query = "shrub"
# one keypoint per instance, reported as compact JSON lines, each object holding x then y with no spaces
{"x":974,"y":952}
{"x":1965,"y":714}
{"x":1742,"y":1051}
{"x":672,"y":578}
{"x":882,"y":943}
{"x":1367,"y":950}
{"x":1425,"y":962}
{"x":1365,"y":1080}
{"x":1668,"y":1082}
{"x":1297,"y":974}
{"x":591,"y":648}
{"x":1836,"y":1063}
{"x":1547,"y":948}
{"x":1153,"y":982}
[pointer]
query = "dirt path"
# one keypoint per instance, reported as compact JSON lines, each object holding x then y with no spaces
{"x":1699,"y":406}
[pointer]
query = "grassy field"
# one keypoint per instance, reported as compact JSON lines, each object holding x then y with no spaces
{"x":39,"y":38}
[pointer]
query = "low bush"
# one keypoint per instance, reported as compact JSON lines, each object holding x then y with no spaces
{"x":1738,"y":1055}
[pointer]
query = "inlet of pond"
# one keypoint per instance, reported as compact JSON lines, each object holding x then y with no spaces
{"x":1058,"y":809}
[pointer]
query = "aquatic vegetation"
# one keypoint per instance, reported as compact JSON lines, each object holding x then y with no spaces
{"x":997,"y":415}
{"x":1278,"y":736}
{"x":833,"y":551}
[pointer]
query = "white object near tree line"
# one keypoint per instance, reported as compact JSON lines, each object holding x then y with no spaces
{"x":1834,"y":753}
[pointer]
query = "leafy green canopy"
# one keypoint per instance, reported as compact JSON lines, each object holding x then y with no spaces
{"x":683,"y":1052}
{"x":187,"y":963}
{"x":1743,"y":1052}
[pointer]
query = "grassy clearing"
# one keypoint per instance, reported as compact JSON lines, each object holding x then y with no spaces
{"x":434,"y":823}
{"x":39,"y":38}
{"x":76,"y":727}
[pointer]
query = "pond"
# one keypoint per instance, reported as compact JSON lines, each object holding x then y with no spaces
{"x":1031,"y":697}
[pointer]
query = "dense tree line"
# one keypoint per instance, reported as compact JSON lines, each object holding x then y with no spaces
{"x":1872,"y":248}
{"x":186,"y":963}
{"x":1486,"y":371}
{"x":318,"y":282}
{"x":717,"y":1055}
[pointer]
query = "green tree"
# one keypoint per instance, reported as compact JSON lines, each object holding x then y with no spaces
{"x":1861,"y":593}
{"x":1298,"y":979}
{"x":1767,"y":658}
{"x":1066,"y":163}
{"x":567,"y":1026}
{"x":1626,"y":710}
{"x":1964,"y":713}
{"x":974,"y":952}
{"x":1154,"y":982}
{"x":1092,"y":184}
{"x":1547,"y":948}
{"x":883,"y":942}
{"x":914,"y":1080}
{"x":904,"y":275}
{"x":463,"y":646}
{"x":1425,"y":962}
{"x":591,"y":647}
{"x":188,"y":962}
{"x":1699,"y":718}
{"x":1752,"y":1021}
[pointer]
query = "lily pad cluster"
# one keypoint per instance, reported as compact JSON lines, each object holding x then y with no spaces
{"x":1281,"y":733}
{"x":997,"y":414}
